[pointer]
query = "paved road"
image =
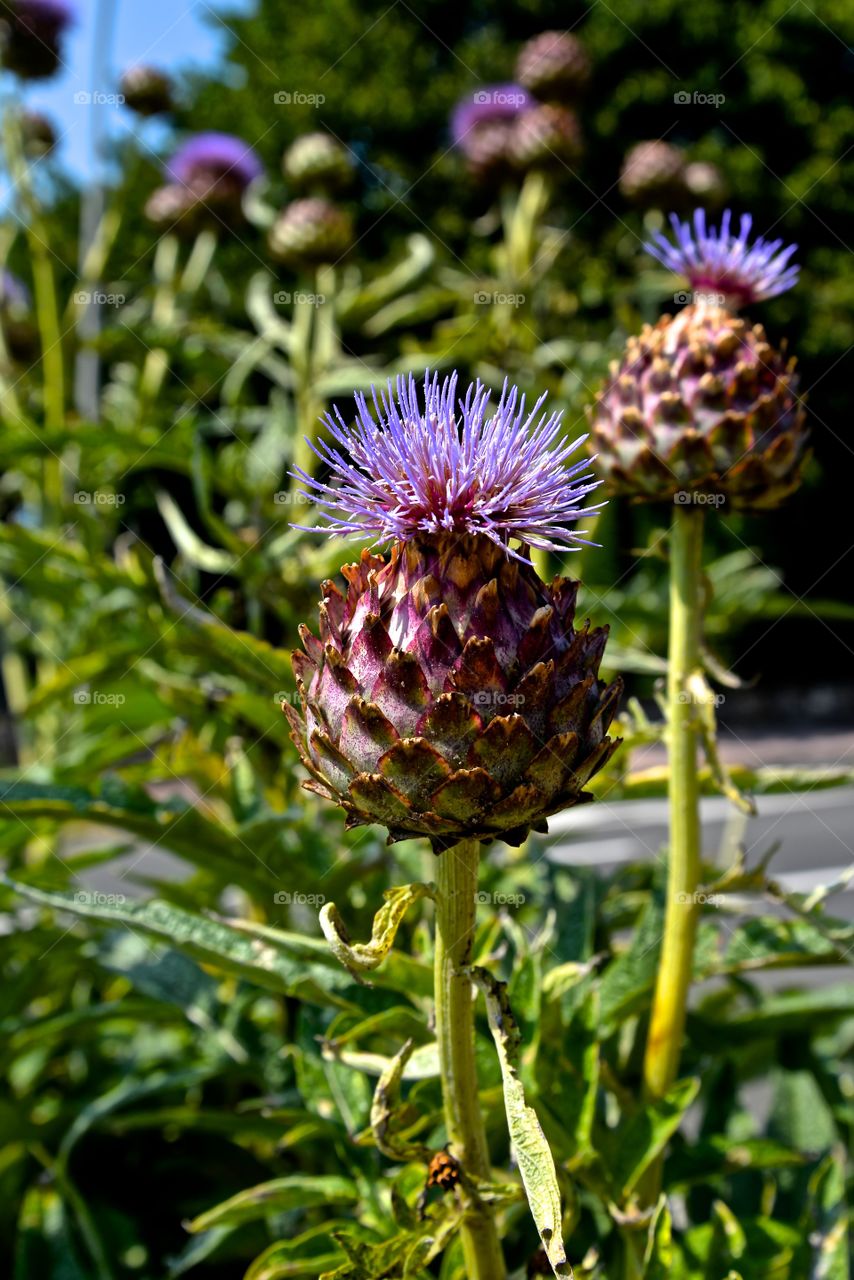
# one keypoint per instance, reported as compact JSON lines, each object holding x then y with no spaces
{"x":814,"y":830}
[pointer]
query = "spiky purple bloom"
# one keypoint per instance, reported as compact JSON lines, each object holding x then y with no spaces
{"x":213,"y":157}
{"x":721,"y":262}
{"x":452,"y":467}
{"x":490,"y":105}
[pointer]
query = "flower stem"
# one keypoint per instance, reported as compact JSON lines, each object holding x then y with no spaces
{"x":456,"y":888}
{"x":680,"y":922}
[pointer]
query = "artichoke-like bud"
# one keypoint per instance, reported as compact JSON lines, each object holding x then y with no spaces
{"x":705,"y":184}
{"x":310,"y":232}
{"x":31,"y":34}
{"x":546,"y":136}
{"x":173,"y":205}
{"x":449,"y":693}
{"x":703,"y":403}
{"x":482,"y":129}
{"x":147,"y":90}
{"x":489,"y":154}
{"x":37,"y":134}
{"x":212,"y":170}
{"x":554,"y":66}
{"x":318,"y":162}
{"x":653,"y":175}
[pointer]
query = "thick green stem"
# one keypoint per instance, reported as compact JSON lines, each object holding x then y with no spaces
{"x":456,"y":889}
{"x":680,"y":924}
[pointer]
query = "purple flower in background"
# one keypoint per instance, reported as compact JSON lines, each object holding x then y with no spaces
{"x":496,"y":103}
{"x":56,"y":13}
{"x":13,"y":292}
{"x":208,"y":159}
{"x":31,"y":32}
{"x":452,"y":467}
{"x":721,"y":262}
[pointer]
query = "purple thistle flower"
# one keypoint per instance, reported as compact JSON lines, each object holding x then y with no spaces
{"x":722,"y":262}
{"x":496,"y":103}
{"x":213,"y":157}
{"x":452,"y":468}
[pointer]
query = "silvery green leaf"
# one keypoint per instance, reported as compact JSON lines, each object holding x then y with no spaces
{"x":532,"y":1151}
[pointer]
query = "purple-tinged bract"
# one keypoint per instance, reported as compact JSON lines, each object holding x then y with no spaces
{"x":447,"y":465}
{"x":721,"y":262}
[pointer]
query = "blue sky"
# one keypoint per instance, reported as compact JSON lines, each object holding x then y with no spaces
{"x":172,"y":34}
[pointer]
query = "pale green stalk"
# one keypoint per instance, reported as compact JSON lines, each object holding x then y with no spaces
{"x":667,"y":1024}
{"x":456,"y":889}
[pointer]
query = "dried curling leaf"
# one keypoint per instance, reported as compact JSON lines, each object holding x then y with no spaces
{"x":361,"y":957}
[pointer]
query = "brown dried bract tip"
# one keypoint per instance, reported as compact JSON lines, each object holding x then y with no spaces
{"x":443,"y":1171}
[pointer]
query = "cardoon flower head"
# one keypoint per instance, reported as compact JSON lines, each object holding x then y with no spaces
{"x":31,"y":35}
{"x":721,"y":262}
{"x":652,"y":174}
{"x":311,"y":231}
{"x":449,"y":694}
{"x":210,"y":158}
{"x":317,"y":162}
{"x":208,"y":176}
{"x":481,"y":128}
{"x":450,"y":466}
{"x":554,"y":65}
{"x":703,"y":403}
{"x":486,"y":106}
{"x":147,"y":90}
